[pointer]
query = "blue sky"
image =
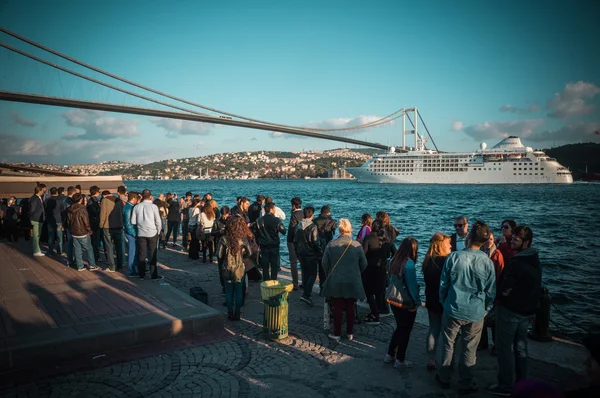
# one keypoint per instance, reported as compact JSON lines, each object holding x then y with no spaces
{"x":477,"y":72}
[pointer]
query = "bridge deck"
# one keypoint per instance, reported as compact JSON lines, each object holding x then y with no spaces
{"x":49,"y":311}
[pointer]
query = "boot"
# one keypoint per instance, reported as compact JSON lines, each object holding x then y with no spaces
{"x":237,"y":316}
{"x":231,"y":316}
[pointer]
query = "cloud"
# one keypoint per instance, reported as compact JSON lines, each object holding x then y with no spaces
{"x":572,"y":100}
{"x":457,"y":125}
{"x":98,"y":127}
{"x":514,"y":109}
{"x":341,"y":122}
{"x":487,"y":130}
{"x":277,"y":134}
{"x":576,"y":132}
{"x":176,"y":127}
{"x":15,"y":117}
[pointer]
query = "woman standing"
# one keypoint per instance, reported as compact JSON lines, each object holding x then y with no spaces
{"x":377,"y":251}
{"x":390,"y":231}
{"x":173,"y":218}
{"x":218,"y":233}
{"x":365,"y":227}
{"x":207,"y":220}
{"x":343,"y":261}
{"x":162,"y":209}
{"x":439,"y":249}
{"x":233,"y":248}
{"x":194,"y":212}
{"x":402,"y":271}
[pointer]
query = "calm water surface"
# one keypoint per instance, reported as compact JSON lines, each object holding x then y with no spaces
{"x":564,"y":219}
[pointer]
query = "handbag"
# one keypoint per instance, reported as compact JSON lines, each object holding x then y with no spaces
{"x":397,"y":293}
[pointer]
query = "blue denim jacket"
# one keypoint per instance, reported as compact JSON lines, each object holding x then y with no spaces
{"x":467,"y":285}
{"x":129,"y":228}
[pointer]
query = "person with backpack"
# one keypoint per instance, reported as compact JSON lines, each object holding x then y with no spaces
{"x":233,"y":248}
{"x":308,"y":250}
{"x":267,"y":229}
{"x":326,"y":226}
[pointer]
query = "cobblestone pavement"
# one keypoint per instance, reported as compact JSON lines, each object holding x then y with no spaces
{"x":240,"y":362}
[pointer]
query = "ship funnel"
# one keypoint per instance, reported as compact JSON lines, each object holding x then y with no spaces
{"x":482,"y":146}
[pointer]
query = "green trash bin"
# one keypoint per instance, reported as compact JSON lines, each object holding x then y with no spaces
{"x":275,"y":321}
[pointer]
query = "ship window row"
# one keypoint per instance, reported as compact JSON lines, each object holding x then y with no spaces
{"x":526,"y":174}
{"x":487,"y":169}
{"x":525,"y":168}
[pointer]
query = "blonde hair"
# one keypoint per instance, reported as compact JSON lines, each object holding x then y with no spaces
{"x":344,"y":226}
{"x":435,"y":247}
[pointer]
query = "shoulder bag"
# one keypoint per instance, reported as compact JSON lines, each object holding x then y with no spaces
{"x":397,"y":293}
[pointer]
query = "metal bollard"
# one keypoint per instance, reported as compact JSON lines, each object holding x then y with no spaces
{"x":540,"y":330}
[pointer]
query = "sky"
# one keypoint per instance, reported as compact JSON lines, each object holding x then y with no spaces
{"x":478,"y":72}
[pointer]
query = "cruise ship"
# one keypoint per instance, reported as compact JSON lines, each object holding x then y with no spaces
{"x":508,"y":162}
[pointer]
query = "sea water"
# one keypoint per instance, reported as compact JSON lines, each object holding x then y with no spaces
{"x":564,"y":219}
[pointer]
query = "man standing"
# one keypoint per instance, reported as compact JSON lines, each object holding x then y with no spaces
{"x":79,"y":224}
{"x":185,"y":205}
{"x":278,"y":212}
{"x":467,"y":291}
{"x":146,"y":218}
{"x":255,"y":208}
{"x":65,"y":208}
{"x":457,"y":239}
{"x":37,"y":215}
{"x":131,"y":235}
{"x":308,"y":250}
{"x":295,"y":219}
{"x":241,"y":210}
{"x":518,"y":299}
{"x":93,"y":208}
{"x":267,"y":229}
{"x":326,"y":226}
{"x":122,"y":191}
{"x":54,"y":222}
{"x":111,"y":222}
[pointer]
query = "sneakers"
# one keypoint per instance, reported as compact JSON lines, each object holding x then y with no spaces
{"x":350,"y":337}
{"x":110,"y":270}
{"x":372,"y":320}
{"x":388,"y":358}
{"x":38,"y":254}
{"x":307,"y":300}
{"x":334,"y":337}
{"x":81,"y":269}
{"x":496,"y":390}
{"x":403,"y":364}
{"x":158,"y":277}
{"x":93,"y":268}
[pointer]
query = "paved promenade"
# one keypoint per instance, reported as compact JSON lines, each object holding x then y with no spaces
{"x":239,"y":362}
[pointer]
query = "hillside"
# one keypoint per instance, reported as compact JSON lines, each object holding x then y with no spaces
{"x":577,"y":156}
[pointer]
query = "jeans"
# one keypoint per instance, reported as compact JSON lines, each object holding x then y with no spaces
{"x":405,"y":320}
{"x":208,"y":244}
{"x":184,"y":233}
{"x":471,"y":333}
{"x":96,"y":238}
{"x":37,"y":230}
{"x":309,"y":274}
{"x":55,"y":233}
{"x":511,"y":346}
{"x":293,"y":263}
{"x":341,"y":305}
{"x":70,"y":255}
{"x":233,"y":292}
{"x":269,"y":262}
{"x":79,"y":245}
{"x":109,"y":235}
{"x":433,"y":336}
{"x":172,"y":227}
{"x":132,"y":255}
{"x":145,"y":244}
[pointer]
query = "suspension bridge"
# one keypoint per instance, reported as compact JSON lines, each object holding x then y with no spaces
{"x":198,"y":112}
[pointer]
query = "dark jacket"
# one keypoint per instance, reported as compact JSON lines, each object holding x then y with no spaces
{"x":453,"y":239}
{"x":174,"y":212}
{"x":36,"y":209}
{"x":522,"y":282}
{"x":54,"y":210}
{"x":326,"y":226}
{"x":93,"y":208}
{"x":11,"y":216}
{"x":377,"y":250}
{"x":432,"y":272}
{"x":306,"y":240}
{"x":267,"y":229}
{"x":111,"y":212}
{"x":254,"y":211}
{"x":78,"y":220}
{"x":218,"y":229}
{"x":237,"y":212}
{"x":66,"y":204}
{"x":295,"y":219}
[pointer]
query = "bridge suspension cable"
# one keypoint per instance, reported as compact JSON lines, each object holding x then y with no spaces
{"x":378,"y":122}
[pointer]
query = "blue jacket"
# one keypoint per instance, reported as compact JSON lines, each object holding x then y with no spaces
{"x":130,"y":229}
{"x":410,"y":276}
{"x":467,"y":285}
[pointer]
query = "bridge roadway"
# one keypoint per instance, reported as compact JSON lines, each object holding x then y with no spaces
{"x":100,"y":106}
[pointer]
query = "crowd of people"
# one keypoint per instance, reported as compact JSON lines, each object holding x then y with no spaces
{"x":472,"y":281}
